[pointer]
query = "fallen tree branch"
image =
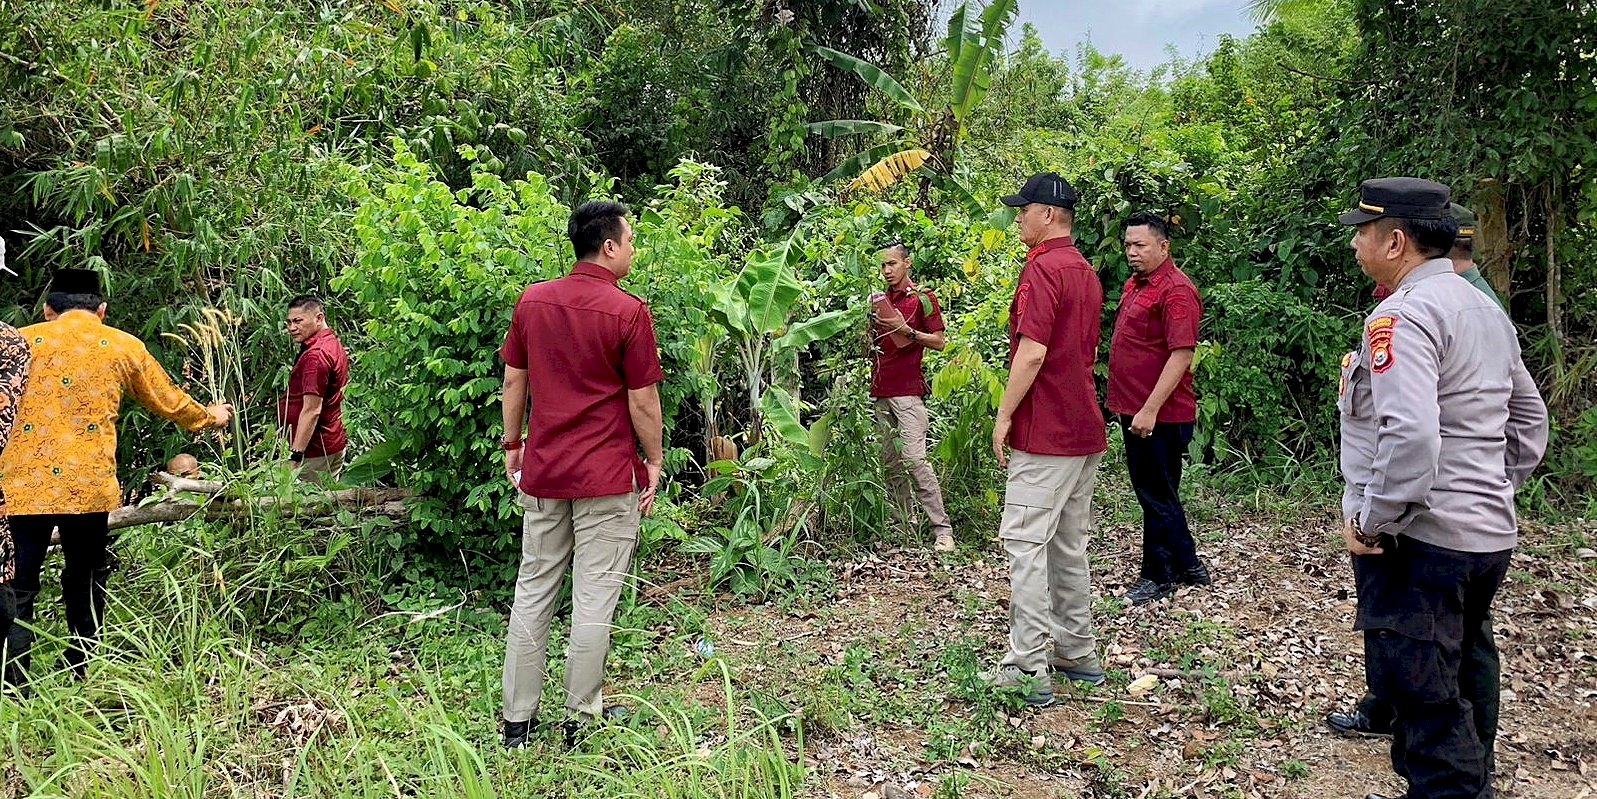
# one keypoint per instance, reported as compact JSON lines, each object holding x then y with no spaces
{"x":662,"y":591}
{"x":1193,"y":674}
{"x":382,"y":501}
{"x":190,"y":485}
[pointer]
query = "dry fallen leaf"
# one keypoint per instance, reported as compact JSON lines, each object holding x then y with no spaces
{"x":1143,"y":685}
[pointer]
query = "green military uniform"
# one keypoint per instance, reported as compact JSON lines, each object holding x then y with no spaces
{"x":1466,"y":231}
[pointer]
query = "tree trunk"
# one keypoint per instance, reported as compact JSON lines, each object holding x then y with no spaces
{"x":1555,"y":299}
{"x":1494,"y":246}
{"x":176,"y":510}
{"x":754,"y":373}
{"x":383,"y":501}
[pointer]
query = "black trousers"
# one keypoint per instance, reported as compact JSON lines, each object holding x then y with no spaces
{"x":1422,"y":607}
{"x":84,"y":537}
{"x":1478,"y":676}
{"x":1154,"y":464}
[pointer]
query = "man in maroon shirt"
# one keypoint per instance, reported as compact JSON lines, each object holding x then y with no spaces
{"x":1049,"y":417}
{"x":1150,"y":391}
{"x":312,"y":411}
{"x":584,"y":353}
{"x":902,"y":334}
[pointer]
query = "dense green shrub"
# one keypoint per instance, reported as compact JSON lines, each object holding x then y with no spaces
{"x":437,"y":275}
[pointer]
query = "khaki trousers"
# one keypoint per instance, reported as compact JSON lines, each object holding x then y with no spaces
{"x":596,"y":537}
{"x":311,"y":469}
{"x":1047,"y":521}
{"x":904,"y":424}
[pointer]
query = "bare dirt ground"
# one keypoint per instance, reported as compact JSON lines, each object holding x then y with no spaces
{"x":1245,"y":669}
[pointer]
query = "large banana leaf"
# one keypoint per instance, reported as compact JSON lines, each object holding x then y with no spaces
{"x":782,"y":415}
{"x":956,"y":188}
{"x":729,"y":309}
{"x":768,"y":288}
{"x":890,"y":169}
{"x":818,"y":328}
{"x":852,"y":166}
{"x":821,"y":435}
{"x":873,"y":76}
{"x":976,"y":50}
{"x":833,"y":128}
{"x":958,"y":32}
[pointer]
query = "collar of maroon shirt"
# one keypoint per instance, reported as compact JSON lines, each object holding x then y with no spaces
{"x":1159,"y":273}
{"x":591,"y":269}
{"x":1050,"y":244}
{"x":317,"y":337}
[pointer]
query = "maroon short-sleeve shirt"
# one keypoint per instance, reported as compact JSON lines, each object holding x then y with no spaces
{"x":1058,"y":302}
{"x":322,"y":369}
{"x":896,"y":370}
{"x":584,"y":343}
{"x":1158,"y":314}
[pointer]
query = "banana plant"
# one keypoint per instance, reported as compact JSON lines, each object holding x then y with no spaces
{"x":754,"y":308}
{"x":975,"y":41}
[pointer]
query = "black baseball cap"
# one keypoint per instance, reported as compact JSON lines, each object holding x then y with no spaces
{"x":1047,"y":188}
{"x":1404,"y":198}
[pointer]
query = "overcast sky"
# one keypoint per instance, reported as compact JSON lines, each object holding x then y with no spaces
{"x":1136,"y":29}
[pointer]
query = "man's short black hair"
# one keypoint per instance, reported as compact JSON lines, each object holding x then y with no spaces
{"x":896,"y":244}
{"x":1154,"y":223}
{"x":310,"y":301}
{"x":593,"y":222}
{"x":1433,"y":238}
{"x":1463,"y":247}
{"x":61,"y":302}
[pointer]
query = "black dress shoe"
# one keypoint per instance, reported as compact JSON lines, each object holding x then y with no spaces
{"x":574,"y":727}
{"x":516,"y":733}
{"x":1384,"y":796}
{"x":1197,"y":575}
{"x":1146,"y":591}
{"x":1357,"y":723}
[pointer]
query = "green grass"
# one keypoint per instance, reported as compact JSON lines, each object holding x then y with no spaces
{"x":220,"y":675}
{"x":274,"y":658}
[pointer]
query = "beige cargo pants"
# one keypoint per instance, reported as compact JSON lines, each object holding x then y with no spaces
{"x":312,"y":469}
{"x":1047,"y":521}
{"x":596,"y":537}
{"x":904,"y":424}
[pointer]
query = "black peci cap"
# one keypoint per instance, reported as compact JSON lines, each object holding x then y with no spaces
{"x":75,"y":281}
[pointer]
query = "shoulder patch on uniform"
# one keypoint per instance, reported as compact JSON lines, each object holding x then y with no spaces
{"x":1347,"y":360}
{"x":1022,"y":294}
{"x":1380,"y":332}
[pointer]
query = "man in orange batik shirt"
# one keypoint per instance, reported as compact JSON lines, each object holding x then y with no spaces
{"x":59,"y":470}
